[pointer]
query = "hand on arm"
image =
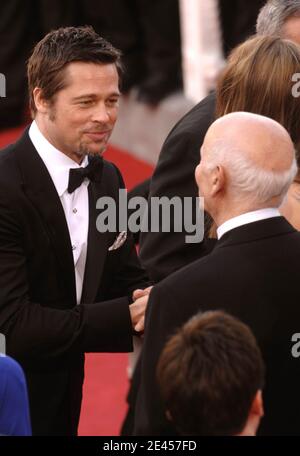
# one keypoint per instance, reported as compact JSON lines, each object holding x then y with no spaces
{"x":138,"y":308}
{"x":140,"y":293}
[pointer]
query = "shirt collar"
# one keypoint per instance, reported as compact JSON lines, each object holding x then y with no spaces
{"x":57,"y":163}
{"x":248,"y":217}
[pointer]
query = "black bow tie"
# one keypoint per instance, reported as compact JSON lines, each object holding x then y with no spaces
{"x":93,"y":171}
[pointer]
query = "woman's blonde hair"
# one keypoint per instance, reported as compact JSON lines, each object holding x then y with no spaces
{"x":259,"y":79}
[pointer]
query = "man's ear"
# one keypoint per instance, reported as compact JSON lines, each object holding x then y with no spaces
{"x":197,"y":175}
{"x":40,"y":102}
{"x":255,"y":414}
{"x":217,"y":180}
{"x":257,"y":407}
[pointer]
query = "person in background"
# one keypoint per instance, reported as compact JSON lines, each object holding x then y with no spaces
{"x":148,"y":34}
{"x":14,"y":406}
{"x":290,"y":207}
{"x":241,"y":88}
{"x":22,"y":24}
{"x":237,"y":19}
{"x":163,"y":253}
{"x":280,"y":18}
{"x":211,"y":375}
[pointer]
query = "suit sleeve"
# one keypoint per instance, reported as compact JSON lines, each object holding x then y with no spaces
{"x":35,"y":332}
{"x":163,"y":253}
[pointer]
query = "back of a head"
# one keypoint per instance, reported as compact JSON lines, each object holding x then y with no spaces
{"x":209,"y":374}
{"x":258,"y":78}
{"x":257,"y":157}
{"x":274,"y":14}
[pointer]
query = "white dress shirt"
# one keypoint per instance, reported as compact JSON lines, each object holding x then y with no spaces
{"x":75,"y":205}
{"x":248,"y":217}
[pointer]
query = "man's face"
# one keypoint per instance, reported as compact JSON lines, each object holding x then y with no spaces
{"x":291,"y":30}
{"x":80,"y":119}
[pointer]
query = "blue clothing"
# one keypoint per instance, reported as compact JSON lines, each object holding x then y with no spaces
{"x":14,"y":407}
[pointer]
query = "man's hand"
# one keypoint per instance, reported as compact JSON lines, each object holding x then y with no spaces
{"x":140,"y":293}
{"x":137,"y":312}
{"x":138,"y":308}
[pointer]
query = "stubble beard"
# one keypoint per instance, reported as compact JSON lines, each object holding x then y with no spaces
{"x":84,"y":150}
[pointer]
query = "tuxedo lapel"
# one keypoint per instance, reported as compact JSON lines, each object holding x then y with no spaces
{"x":98,"y":244}
{"x":40,"y":189}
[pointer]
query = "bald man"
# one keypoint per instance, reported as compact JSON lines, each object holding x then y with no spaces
{"x":247,"y":165}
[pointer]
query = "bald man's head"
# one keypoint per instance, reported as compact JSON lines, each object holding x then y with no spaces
{"x":261,"y":140}
{"x":247,"y":158}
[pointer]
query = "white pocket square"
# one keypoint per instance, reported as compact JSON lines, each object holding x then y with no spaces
{"x":121,"y":238}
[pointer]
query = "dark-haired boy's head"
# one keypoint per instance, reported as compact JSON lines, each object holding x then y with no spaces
{"x":211,"y":374}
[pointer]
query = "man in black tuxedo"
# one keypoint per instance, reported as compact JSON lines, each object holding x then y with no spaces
{"x":66,"y":287}
{"x":163,"y":253}
{"x":247,"y":165}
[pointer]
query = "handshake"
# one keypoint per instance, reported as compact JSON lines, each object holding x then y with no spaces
{"x":138,"y":308}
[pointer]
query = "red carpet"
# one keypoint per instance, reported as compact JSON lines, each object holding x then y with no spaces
{"x":105,"y":386}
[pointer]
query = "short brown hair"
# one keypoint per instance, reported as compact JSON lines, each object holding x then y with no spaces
{"x":258,"y":79}
{"x":209,"y":373}
{"x":45,"y":68}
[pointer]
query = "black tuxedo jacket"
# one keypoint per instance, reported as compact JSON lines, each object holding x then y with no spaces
{"x":45,"y":330}
{"x":253,"y":273}
{"x":163,"y":253}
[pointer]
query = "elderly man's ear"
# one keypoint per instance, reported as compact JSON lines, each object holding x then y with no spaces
{"x":217,"y":180}
{"x":210,"y":181}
